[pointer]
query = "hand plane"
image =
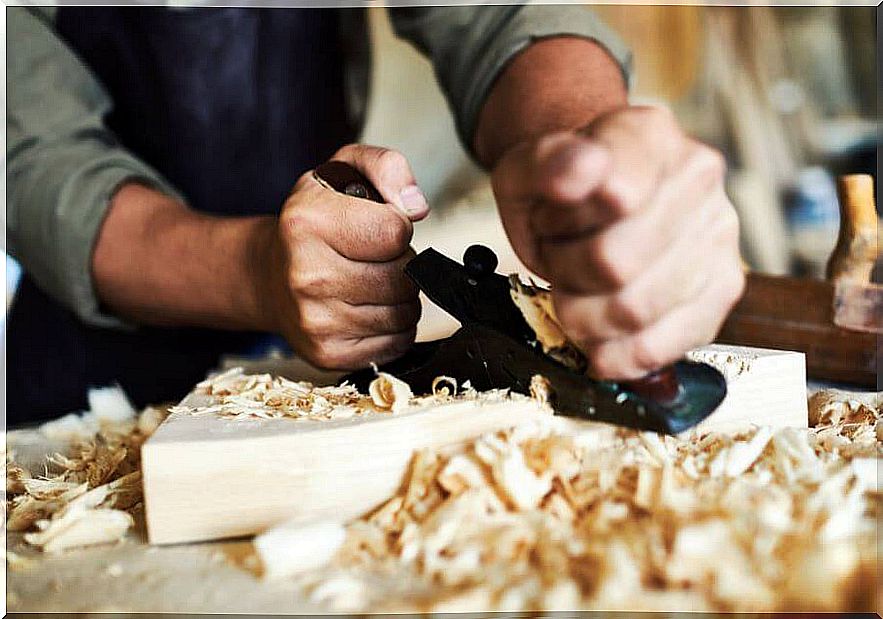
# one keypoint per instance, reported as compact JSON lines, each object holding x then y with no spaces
{"x":495,"y":348}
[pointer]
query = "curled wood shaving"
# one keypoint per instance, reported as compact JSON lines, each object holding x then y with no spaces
{"x":83,"y":527}
{"x":536,"y":306}
{"x":16,"y":477}
{"x":531,"y":519}
{"x":444,"y":386}
{"x":388,"y":393}
{"x":541,"y":389}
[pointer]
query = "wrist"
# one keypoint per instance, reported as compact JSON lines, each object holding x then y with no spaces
{"x":265,"y":274}
{"x":555,"y":84}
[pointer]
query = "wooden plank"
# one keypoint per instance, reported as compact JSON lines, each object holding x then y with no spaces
{"x":764,"y":387}
{"x":207,"y":477}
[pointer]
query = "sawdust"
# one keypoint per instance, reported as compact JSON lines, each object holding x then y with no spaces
{"x":533,"y":518}
{"x":237,"y":395}
{"x":530,"y":519}
{"x":83,"y":497}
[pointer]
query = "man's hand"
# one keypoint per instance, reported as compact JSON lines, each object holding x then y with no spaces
{"x":629,"y":222}
{"x":327,"y":273}
{"x":338,"y":288}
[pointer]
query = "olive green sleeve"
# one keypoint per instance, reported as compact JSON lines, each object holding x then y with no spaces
{"x":470,"y":45}
{"x":63,"y":165}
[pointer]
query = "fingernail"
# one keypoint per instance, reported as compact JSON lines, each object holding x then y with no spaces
{"x":413,"y":201}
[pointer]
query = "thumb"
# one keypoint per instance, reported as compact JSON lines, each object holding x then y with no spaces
{"x":389,"y":171}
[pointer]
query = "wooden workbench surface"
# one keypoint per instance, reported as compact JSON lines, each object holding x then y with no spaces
{"x":131,"y":576}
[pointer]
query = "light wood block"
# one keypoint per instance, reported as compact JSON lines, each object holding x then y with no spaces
{"x":764,"y":387}
{"x":210,"y":478}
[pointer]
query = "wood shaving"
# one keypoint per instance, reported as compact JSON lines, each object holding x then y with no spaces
{"x":541,"y":389}
{"x":444,"y":386}
{"x":85,"y":495}
{"x":532,"y":519}
{"x":236,"y":394}
{"x":108,"y":408}
{"x":295,"y":547}
{"x":536,"y":306}
{"x":389,"y":393}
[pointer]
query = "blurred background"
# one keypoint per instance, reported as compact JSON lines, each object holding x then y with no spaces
{"x":789,"y":94}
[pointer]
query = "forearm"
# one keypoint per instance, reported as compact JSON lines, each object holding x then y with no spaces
{"x":555,"y":84}
{"x":157,"y":262}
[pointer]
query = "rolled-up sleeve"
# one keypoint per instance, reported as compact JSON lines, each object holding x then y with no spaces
{"x":63,"y":165}
{"x":470,"y":45}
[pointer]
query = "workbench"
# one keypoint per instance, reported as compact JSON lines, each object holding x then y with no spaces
{"x":131,"y":576}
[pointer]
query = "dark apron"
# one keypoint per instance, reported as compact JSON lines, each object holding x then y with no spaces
{"x":231,"y":105}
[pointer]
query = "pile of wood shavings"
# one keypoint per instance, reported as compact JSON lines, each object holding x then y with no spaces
{"x":766,"y":520}
{"x":237,"y":395}
{"x":84,"y":497}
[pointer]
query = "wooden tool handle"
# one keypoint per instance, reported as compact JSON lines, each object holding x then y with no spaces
{"x":344,"y":178}
{"x":857,"y":244}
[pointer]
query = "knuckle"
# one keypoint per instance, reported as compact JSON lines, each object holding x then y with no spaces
{"x":645,"y":355}
{"x":346,"y":151}
{"x":578,"y":330}
{"x":411,"y":314}
{"x":546,"y":142}
{"x":392,"y":233}
{"x":300,"y":220}
{"x":302,"y":181}
{"x":612,"y":269}
{"x":735,"y":286}
{"x":619,"y":197}
{"x":390,"y":158}
{"x":309,"y":282}
{"x":656,"y":117}
{"x":600,"y":361}
{"x":709,"y":164}
{"x":329,"y":354}
{"x":661,"y":116}
{"x":628,"y":312}
{"x":730,"y":226}
{"x":576,"y":321}
{"x":316,"y":327}
{"x":401,"y":342}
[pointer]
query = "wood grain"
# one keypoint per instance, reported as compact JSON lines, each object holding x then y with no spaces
{"x":797,"y":314}
{"x":208,"y":478}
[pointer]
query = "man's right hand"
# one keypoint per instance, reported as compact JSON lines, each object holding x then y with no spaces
{"x":335,"y":281}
